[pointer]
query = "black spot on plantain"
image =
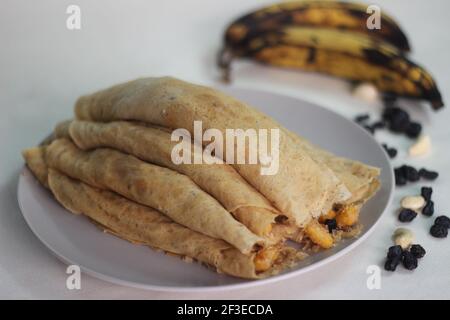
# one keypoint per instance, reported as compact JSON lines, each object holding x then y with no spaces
{"x":342,"y":27}
{"x":358,"y":13}
{"x":376,"y":57}
{"x":387,"y":78}
{"x":312,"y":55}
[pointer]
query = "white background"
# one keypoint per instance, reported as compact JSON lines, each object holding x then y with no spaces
{"x":44,"y":67}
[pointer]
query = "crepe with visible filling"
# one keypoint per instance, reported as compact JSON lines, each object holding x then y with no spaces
{"x":155,"y":146}
{"x":144,"y":225}
{"x":141,"y":224}
{"x":172,"y":193}
{"x":302,"y":188}
{"x":359,"y":178}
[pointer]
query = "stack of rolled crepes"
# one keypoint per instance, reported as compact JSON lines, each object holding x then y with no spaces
{"x":113,"y":164}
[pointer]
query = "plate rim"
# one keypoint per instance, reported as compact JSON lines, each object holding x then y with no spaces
{"x":236,"y":286}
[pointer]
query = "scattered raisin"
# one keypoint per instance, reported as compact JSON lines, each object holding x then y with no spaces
{"x":407,"y":215}
{"x":389,"y":100}
{"x":378,"y":125}
{"x":370,"y":129}
{"x":409,"y":260}
{"x":362,"y":117}
{"x":410,"y":173}
{"x":392,"y":152}
{"x":427,"y":174}
{"x":400,"y":179}
{"x":391,"y":264}
{"x":413,"y":130}
{"x":398,"y":120}
{"x":439,"y":231}
{"x":443,"y":221}
{"x":418,"y":251}
{"x":388,"y":112}
{"x":394,"y":252}
{"x":428,"y":210}
{"x":426,"y":192}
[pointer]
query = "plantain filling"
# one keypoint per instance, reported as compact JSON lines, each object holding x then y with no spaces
{"x":265,"y":259}
{"x":346,"y":217}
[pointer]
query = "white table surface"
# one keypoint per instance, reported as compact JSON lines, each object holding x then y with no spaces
{"x":44,"y":67}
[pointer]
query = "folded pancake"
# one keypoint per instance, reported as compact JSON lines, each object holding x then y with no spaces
{"x":302,"y":188}
{"x":360,"y":179}
{"x":141,"y":224}
{"x":61,"y":130}
{"x":174,"y":194}
{"x":35,"y":160}
{"x":155,"y":146}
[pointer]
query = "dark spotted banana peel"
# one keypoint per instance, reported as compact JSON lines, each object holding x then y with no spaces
{"x":346,"y":54}
{"x":341,"y":15}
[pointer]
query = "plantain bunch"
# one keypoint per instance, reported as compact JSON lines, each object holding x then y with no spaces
{"x":330,"y":37}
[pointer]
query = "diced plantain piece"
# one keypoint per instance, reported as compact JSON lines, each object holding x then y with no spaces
{"x":265,"y":258}
{"x":330,"y":215}
{"x":347,"y":216}
{"x":319,"y":234}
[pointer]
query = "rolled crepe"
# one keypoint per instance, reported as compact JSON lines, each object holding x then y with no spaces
{"x":171,"y":193}
{"x":35,"y":159}
{"x":360,"y":179}
{"x":61,"y":130}
{"x":155,"y":146}
{"x":301,"y":189}
{"x":141,"y":224}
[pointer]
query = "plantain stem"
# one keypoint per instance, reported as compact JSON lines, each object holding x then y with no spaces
{"x":224,"y":62}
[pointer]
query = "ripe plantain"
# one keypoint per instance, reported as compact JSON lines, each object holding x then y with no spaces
{"x":324,"y":14}
{"x":350,"y":55}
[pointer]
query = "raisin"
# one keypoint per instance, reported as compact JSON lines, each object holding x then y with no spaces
{"x":427,"y":174}
{"x":392,"y":152}
{"x":388,"y":112}
{"x":400,"y":179}
{"x":439,"y":231}
{"x":394,"y":252}
{"x":391,"y":264}
{"x":413,"y":130}
{"x":443,"y":221}
{"x":418,"y":251}
{"x":411,"y":174}
{"x":398,"y":120}
{"x":426,"y":192}
{"x":407,"y":215}
{"x":409,"y":260}
{"x":389,"y":100}
{"x":370,"y":129}
{"x":362,"y":117}
{"x":428,"y":210}
{"x":378,"y":125}
{"x":331,"y":224}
